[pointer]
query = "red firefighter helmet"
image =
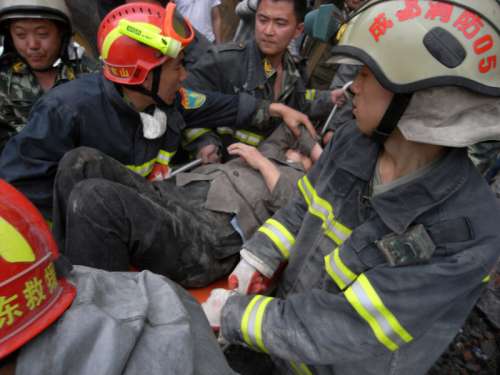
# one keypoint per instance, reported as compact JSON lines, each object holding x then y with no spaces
{"x":135,"y":38}
{"x":31,"y":295}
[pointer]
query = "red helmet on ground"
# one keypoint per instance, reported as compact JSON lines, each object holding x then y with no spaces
{"x":31,"y":295}
{"x":135,"y":38}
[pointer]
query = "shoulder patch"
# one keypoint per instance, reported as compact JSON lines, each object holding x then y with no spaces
{"x":191,"y":99}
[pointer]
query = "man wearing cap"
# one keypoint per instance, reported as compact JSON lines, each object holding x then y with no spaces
{"x":131,"y":111}
{"x":37,"y":53}
{"x":392,"y":236}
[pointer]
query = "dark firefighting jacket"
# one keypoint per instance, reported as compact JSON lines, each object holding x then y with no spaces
{"x":240,"y":68}
{"x":358,"y":296}
{"x":91,"y":112}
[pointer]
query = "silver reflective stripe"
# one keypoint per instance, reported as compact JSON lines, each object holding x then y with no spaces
{"x":365,"y":300}
{"x":252,"y":320}
{"x":279,"y":235}
{"x":338,"y":271}
{"x":224,"y":130}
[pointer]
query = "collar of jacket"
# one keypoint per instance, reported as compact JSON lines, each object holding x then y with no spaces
{"x":399,"y":207}
{"x":113,"y":94}
{"x":256,"y":77}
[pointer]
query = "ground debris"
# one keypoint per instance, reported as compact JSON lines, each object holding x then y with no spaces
{"x":475,"y":349}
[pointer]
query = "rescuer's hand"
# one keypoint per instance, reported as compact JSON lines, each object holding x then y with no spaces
{"x":159,"y":172}
{"x":212,"y":307}
{"x":247,"y":280}
{"x":293,"y":119}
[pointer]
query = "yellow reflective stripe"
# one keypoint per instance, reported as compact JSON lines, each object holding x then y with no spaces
{"x":487,"y":279}
{"x":14,"y":248}
{"x":310,"y":94}
{"x":164,"y":157}
{"x":338,"y":271}
{"x":279,"y":235}
{"x":300,"y":368}
{"x":143,"y":169}
{"x":193,"y":134}
{"x":248,"y":137}
{"x":322,"y":209}
{"x":251,"y":322}
{"x":365,"y":300}
{"x":225,"y":131}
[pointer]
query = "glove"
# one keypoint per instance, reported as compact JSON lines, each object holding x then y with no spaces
{"x":212,"y":307}
{"x":247,"y":280}
{"x":159,"y":172}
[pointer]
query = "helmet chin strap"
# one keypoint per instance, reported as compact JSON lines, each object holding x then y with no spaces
{"x":153,"y":93}
{"x":392,"y":115}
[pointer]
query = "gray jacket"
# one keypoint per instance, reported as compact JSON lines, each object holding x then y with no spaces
{"x":344,"y":305}
{"x":236,"y":188}
{"x":125,"y":323}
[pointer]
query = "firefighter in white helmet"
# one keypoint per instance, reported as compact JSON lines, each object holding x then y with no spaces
{"x":391,"y":237}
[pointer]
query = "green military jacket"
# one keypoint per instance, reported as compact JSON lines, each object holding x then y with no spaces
{"x":19,"y":90}
{"x":239,"y":68}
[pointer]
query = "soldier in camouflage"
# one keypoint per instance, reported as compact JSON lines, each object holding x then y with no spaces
{"x":36,"y":54}
{"x":261,"y":67}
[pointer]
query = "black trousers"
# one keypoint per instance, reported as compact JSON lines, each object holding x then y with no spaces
{"x":108,"y":217}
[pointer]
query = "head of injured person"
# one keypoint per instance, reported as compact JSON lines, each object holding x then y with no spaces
{"x":430,"y":68}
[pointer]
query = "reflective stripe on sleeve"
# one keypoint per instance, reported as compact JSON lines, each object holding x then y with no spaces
{"x":191,"y":135}
{"x":300,"y":368}
{"x":165,"y":157}
{"x":251,"y":323}
{"x":279,"y":235}
{"x":322,"y":209}
{"x":225,"y":130}
{"x":487,"y":279}
{"x":365,"y":300}
{"x":247,"y":137}
{"x":143,"y":169}
{"x":338,"y":271}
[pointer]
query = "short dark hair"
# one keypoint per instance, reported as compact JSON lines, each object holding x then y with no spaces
{"x":299,"y":8}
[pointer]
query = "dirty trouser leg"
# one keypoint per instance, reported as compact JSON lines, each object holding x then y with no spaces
{"x":112,"y":226}
{"x":83,"y":163}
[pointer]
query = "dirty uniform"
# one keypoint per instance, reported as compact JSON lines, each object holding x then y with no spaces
{"x":123,"y":324}
{"x":346,"y":305}
{"x":19,"y":90}
{"x":107,"y":217}
{"x":235,"y":68}
{"x":91,"y":112}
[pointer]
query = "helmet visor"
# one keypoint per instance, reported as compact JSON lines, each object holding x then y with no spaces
{"x":176,"y":26}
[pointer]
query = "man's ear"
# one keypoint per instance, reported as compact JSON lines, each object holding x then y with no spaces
{"x":299,"y":30}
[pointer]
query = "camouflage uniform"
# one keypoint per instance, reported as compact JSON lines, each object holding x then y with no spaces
{"x":235,"y":68}
{"x":19,"y":90}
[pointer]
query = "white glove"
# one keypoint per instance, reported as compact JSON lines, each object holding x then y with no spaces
{"x":246,"y":279}
{"x":212,"y":307}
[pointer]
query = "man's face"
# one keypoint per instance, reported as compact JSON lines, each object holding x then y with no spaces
{"x":37,"y":41}
{"x":370,"y":101}
{"x":172,"y":75}
{"x":275,"y":26}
